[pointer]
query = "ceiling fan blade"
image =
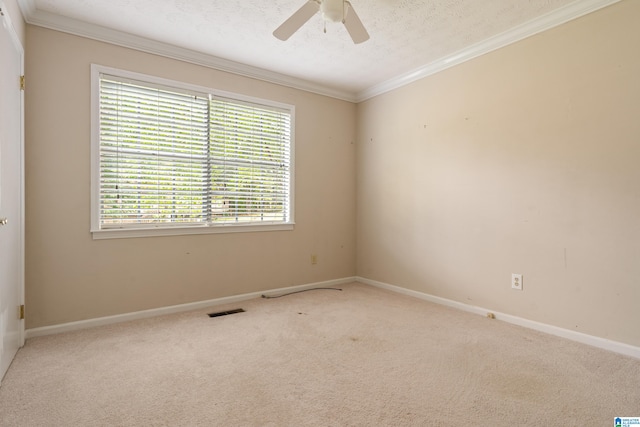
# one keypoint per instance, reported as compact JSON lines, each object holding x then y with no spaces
{"x":354,"y":26}
{"x":297,"y":20}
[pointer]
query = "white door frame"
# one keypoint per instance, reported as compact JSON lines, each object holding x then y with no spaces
{"x":5,"y":20}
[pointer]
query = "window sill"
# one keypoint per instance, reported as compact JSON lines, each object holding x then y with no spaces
{"x":124,"y":233}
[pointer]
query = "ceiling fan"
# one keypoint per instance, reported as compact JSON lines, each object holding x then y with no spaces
{"x":332,"y":11}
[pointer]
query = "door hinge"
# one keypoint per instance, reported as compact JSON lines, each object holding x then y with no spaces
{"x":21,"y":312}
{"x":21,"y":82}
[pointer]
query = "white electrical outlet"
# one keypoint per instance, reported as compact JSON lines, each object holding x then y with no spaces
{"x":516,"y":281}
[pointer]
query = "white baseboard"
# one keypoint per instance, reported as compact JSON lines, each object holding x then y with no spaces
{"x":598,"y":342}
{"x":100,"y":321}
{"x":615,"y":346}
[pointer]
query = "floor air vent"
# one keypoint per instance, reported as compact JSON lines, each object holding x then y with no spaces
{"x":226,"y":313}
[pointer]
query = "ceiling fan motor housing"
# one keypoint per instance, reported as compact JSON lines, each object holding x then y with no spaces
{"x":333,"y":10}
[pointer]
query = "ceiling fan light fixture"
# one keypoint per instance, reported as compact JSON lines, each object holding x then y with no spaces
{"x":333,"y":10}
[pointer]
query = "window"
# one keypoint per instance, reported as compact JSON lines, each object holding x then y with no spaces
{"x":172,"y":158}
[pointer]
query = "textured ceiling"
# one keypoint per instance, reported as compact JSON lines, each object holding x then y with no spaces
{"x":405,"y":34}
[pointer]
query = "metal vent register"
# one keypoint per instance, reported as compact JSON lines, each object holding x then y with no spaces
{"x":226,"y":313}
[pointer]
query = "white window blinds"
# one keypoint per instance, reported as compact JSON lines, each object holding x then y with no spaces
{"x":249,"y":154}
{"x":172,"y":157}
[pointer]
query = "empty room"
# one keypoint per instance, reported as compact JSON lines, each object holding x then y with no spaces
{"x":319,"y":212}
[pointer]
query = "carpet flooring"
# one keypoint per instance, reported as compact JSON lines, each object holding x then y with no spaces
{"x":357,"y":357}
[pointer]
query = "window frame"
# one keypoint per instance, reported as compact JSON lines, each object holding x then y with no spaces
{"x":168,"y":229}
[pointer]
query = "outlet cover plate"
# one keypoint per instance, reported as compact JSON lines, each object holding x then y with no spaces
{"x":516,"y":281}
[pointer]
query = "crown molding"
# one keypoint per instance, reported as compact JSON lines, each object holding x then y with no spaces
{"x":550,"y":20}
{"x":545,"y":22}
{"x":64,"y":24}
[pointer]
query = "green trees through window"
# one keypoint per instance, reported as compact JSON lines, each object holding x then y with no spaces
{"x":175,"y":157}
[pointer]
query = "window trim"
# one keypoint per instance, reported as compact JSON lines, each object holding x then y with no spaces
{"x":151,"y":230}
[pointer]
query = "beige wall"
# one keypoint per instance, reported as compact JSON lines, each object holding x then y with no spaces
{"x":71,"y":277}
{"x":520,"y":161}
{"x":525,"y":160}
